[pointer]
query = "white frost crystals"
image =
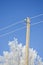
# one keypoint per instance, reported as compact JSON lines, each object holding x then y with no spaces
{"x":16,"y":55}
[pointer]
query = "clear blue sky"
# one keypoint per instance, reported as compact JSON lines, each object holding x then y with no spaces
{"x":11,"y":11}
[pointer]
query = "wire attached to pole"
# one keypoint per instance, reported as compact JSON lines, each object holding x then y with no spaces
{"x":12,"y":25}
{"x":37,"y":23}
{"x":19,"y":22}
{"x":20,"y":29}
{"x":11,"y":31}
{"x":36,"y":16}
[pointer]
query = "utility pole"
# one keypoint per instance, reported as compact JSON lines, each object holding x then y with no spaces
{"x":27,"y":40}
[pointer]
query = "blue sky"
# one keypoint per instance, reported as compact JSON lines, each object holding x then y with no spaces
{"x":12,"y":11}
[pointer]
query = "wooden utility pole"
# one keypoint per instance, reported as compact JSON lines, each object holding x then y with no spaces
{"x":27,"y":40}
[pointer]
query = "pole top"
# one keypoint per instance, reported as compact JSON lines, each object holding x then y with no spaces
{"x":27,"y":20}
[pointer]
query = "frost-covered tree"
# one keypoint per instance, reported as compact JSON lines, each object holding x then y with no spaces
{"x":16,"y":55}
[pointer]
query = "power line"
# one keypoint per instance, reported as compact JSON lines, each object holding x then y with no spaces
{"x":36,"y":23}
{"x":19,"y":22}
{"x":20,"y":29}
{"x":36,"y":16}
{"x":11,"y":25}
{"x":12,"y":31}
